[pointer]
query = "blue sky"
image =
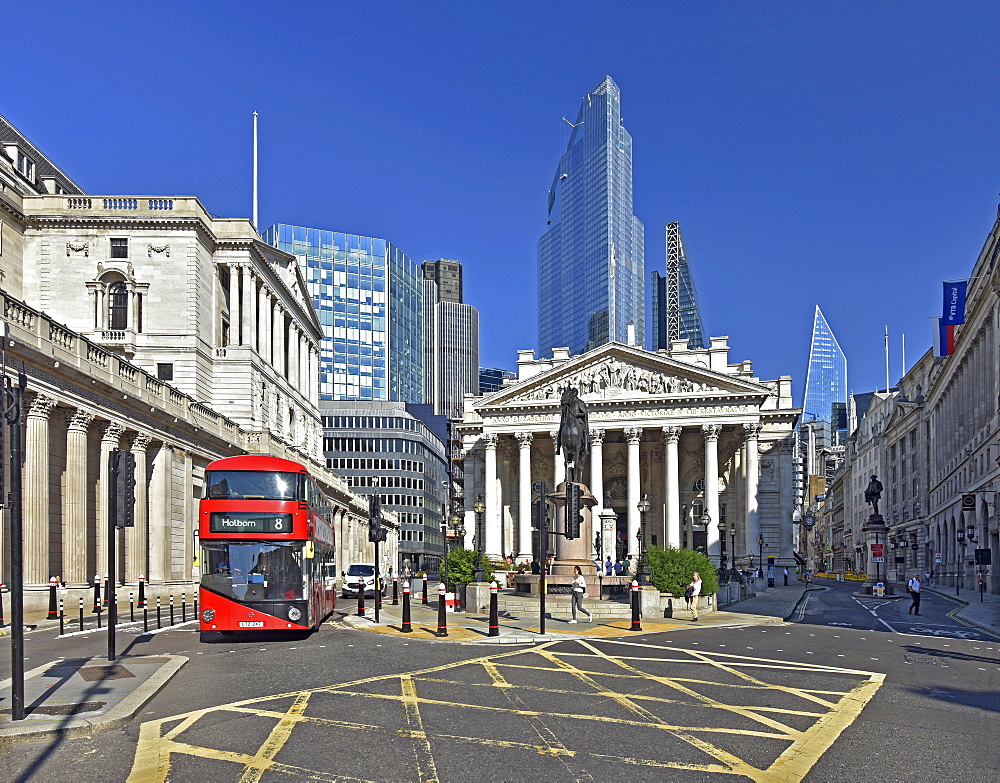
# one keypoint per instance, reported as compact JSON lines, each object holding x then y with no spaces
{"x":835,"y":153}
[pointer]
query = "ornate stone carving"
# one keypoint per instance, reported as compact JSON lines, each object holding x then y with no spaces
{"x":633,"y":435}
{"x":164,"y":248}
{"x":140,"y":442}
{"x":78,"y":247}
{"x":490,"y":440}
{"x":752,"y":431}
{"x":711,"y":431}
{"x":596,"y":437}
{"x":767,"y":472}
{"x":524,"y":440}
{"x":113,"y":432}
{"x":40,"y":406}
{"x":78,"y":419}
{"x":671,"y":434}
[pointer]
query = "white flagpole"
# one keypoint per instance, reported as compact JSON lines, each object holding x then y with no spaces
{"x":903,"y":341}
{"x":255,"y":224}
{"x":887,"y":358}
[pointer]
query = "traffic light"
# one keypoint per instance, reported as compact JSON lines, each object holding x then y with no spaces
{"x":375,"y":531}
{"x":573,"y":511}
{"x":124,"y":478}
{"x":537,"y":514}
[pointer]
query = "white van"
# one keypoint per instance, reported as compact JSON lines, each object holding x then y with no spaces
{"x":358,"y":574}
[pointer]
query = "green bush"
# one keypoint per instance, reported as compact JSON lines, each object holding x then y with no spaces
{"x":672,"y":569}
{"x":462,"y":566}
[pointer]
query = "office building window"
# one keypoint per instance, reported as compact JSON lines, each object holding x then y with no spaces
{"x":165,"y":372}
{"x":119,"y":248}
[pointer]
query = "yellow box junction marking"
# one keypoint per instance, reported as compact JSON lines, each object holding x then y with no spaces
{"x":576,"y":669}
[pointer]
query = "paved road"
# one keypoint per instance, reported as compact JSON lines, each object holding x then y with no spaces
{"x":811,"y":700}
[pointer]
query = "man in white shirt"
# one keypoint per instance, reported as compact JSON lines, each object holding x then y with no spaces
{"x":914,"y":587}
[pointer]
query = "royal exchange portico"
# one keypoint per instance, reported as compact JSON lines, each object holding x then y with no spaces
{"x":684,"y":428}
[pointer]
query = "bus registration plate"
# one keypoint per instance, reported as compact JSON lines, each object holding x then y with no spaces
{"x":252,"y":624}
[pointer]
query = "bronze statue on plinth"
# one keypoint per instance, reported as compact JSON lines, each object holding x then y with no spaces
{"x":573,"y":438}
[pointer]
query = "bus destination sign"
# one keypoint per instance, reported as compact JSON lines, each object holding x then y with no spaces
{"x":249,"y":522}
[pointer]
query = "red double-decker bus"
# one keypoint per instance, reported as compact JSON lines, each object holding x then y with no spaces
{"x":267,"y":547}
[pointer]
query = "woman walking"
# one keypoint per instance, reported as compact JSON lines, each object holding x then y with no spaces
{"x":579,"y":589}
{"x":691,"y":592}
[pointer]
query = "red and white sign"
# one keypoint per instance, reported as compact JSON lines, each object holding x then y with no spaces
{"x":878,"y":553}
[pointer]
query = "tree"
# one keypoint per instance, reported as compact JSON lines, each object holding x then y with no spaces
{"x":672,"y":569}
{"x":462,"y":566}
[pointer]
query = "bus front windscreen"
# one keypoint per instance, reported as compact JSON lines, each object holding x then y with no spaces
{"x":251,"y":485}
{"x":254,"y":571}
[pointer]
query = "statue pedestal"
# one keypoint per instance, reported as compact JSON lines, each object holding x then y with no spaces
{"x":573,"y":552}
{"x":875,"y":537}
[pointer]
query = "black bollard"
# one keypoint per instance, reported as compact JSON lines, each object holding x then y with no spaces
{"x":171,"y":608}
{"x":105,"y":602}
{"x":635,"y":607}
{"x":142,"y":590}
{"x":395,"y":591}
{"x":145,"y":618}
{"x":407,"y":626}
{"x":131,"y":606}
{"x":183,"y":607}
{"x":442,"y":611}
{"x":196,"y":606}
{"x":158,"y":626}
{"x":81,"y":613}
{"x":97,"y":593}
{"x":2,"y":623}
{"x":361,"y":597}
{"x":494,"y":612}
{"x":52,"y":598}
{"x":424,"y":600}
{"x":62,"y":617}
{"x":99,"y":610}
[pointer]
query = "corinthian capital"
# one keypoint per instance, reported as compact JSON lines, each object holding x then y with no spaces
{"x":633,"y":435}
{"x":596,"y":437}
{"x":78,"y":419}
{"x":140,"y":442}
{"x":40,"y":406}
{"x":113,"y":432}
{"x":711,"y":431}
{"x":751,"y":431}
{"x":671,"y":434}
{"x":490,"y":440}
{"x":524,"y":439}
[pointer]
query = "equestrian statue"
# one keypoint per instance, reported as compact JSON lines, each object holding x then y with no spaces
{"x":573,"y":438}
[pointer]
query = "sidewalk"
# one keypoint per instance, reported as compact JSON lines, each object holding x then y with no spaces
{"x":768,"y":608}
{"x":81,"y":696}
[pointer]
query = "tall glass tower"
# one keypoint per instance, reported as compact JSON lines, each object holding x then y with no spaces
{"x":826,"y":376}
{"x":368,"y":295}
{"x":591,"y":283}
{"x":675,"y":302}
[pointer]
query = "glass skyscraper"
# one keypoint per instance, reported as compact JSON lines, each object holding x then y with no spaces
{"x":826,"y":376}
{"x":675,"y":310}
{"x":368,"y":295}
{"x":591,"y":281}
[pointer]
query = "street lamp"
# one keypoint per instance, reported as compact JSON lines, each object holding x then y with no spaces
{"x":480,"y":509}
{"x":643,"y":573}
{"x":732,"y":548}
{"x":969,"y":534}
{"x":722,"y":549}
{"x":760,"y":551}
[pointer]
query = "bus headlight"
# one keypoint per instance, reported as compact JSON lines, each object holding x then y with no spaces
{"x":294,"y":613}
{"x":208,"y":615}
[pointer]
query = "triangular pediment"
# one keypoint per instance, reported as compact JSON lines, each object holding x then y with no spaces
{"x":616,"y":372}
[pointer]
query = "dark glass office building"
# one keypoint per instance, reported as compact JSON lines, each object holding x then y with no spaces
{"x":368,"y":295}
{"x":591,"y":280}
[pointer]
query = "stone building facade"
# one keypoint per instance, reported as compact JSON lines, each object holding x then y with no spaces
{"x":147,"y":324}
{"x":682,"y":427}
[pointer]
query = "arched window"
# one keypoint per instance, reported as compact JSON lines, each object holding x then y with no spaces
{"x":118,"y":306}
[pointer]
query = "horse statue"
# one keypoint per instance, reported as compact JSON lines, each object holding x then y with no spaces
{"x":573,"y":438}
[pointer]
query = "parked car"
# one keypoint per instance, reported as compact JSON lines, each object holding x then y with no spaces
{"x":358,"y":574}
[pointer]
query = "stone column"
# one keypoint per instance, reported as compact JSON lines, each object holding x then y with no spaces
{"x":36,"y":492}
{"x":75,"y":499}
{"x":633,"y":435}
{"x":249,"y":289}
{"x":263,"y":311}
{"x":597,"y":468}
{"x":137,"y":538}
{"x":234,"y":304}
{"x":491,"y":535}
{"x":314,"y":375}
{"x":671,"y":487}
{"x":277,"y":338}
{"x":102,"y":311}
{"x":752,"y":432}
{"x":109,"y":441}
{"x":524,"y":497}
{"x":558,"y":465}
{"x":711,"y":433}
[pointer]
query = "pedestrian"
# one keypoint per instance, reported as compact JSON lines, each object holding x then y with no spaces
{"x":913,"y":587}
{"x":786,"y":576}
{"x":535,"y":568}
{"x":691,"y":593}
{"x":627,"y":566}
{"x":927,"y":578}
{"x":933,"y":578}
{"x":618,"y":567}
{"x":608,"y":567}
{"x":579,"y":590}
